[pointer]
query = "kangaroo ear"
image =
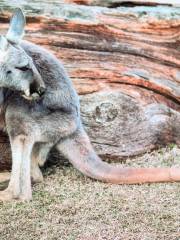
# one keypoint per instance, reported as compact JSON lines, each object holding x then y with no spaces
{"x":16,"y":29}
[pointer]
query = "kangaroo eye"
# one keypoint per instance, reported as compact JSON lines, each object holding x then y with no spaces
{"x":23,"y":69}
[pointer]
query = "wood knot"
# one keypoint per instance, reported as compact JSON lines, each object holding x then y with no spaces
{"x":105,"y":112}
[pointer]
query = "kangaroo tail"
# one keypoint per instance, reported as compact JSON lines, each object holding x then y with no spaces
{"x":80,"y":153}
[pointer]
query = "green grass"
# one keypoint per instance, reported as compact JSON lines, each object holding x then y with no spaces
{"x":69,"y":206}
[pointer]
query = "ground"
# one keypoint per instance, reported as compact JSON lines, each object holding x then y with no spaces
{"x":69,"y":206}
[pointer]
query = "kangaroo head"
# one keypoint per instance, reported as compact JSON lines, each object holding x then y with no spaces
{"x":17,"y":70}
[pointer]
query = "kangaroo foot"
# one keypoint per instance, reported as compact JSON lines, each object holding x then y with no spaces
{"x":36,"y":175}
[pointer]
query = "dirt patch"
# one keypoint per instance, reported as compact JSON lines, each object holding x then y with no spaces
{"x":69,"y":206}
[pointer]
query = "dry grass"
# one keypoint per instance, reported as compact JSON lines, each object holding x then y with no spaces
{"x":69,"y":206}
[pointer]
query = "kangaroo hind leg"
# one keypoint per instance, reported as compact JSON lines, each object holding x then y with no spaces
{"x":38,"y":158}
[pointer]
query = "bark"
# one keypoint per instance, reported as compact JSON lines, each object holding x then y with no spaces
{"x":124,"y":63}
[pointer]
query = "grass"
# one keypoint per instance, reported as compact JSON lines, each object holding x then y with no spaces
{"x":70,"y":206}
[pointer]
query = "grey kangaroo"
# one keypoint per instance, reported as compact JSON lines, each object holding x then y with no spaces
{"x":39,"y":110}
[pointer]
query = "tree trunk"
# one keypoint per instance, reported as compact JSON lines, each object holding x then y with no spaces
{"x":124,"y":63}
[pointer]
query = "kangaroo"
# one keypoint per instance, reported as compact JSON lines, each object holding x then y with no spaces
{"x":40,"y":109}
